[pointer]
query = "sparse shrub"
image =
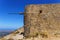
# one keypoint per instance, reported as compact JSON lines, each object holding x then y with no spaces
{"x":44,"y":35}
{"x":16,"y":32}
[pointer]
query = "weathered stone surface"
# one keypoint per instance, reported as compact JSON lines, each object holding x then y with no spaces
{"x":42,"y":19}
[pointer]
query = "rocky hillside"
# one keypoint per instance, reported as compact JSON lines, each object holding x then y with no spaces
{"x":17,"y":34}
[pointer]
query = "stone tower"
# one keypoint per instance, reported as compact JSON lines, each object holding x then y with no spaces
{"x":41,"y":18}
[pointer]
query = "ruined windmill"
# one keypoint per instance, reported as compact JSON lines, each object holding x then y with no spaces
{"x":41,"y":19}
{"x":30,"y":20}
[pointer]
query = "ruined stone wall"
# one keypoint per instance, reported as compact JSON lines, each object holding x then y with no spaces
{"x":41,"y":18}
{"x":31,"y":19}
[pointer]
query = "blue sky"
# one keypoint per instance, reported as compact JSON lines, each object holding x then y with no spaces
{"x":14,"y":21}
